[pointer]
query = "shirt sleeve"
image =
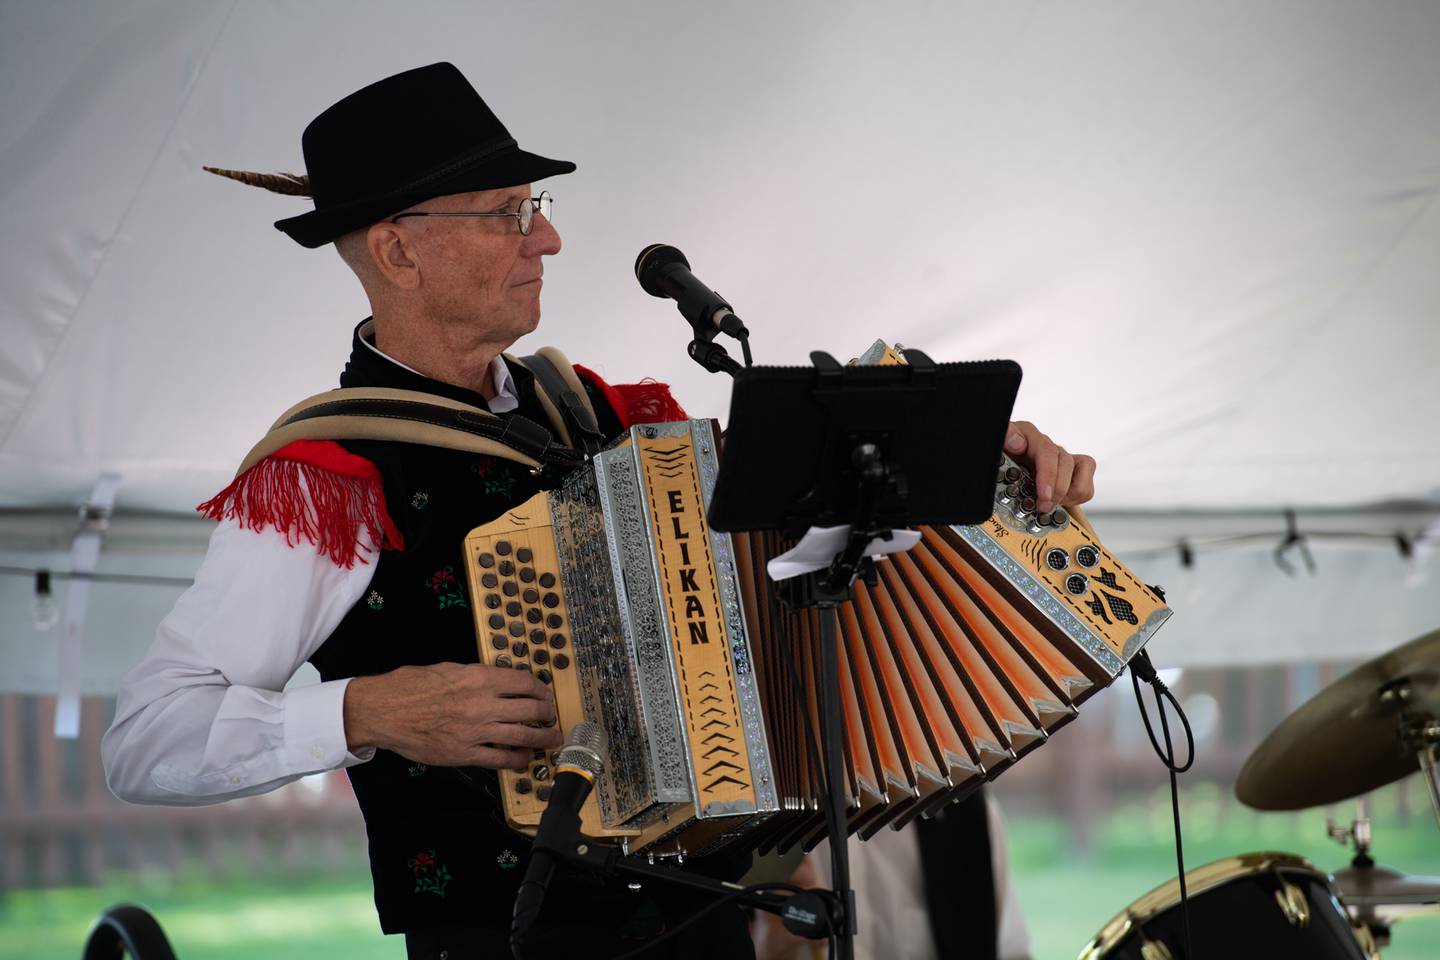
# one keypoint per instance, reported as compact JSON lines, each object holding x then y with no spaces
{"x":204,"y":717}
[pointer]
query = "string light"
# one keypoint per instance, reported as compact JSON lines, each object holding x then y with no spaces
{"x":44,"y":609}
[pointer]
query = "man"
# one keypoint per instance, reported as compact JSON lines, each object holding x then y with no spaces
{"x":348,"y":554}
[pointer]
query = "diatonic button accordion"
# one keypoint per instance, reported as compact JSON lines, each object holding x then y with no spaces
{"x":964,"y":654}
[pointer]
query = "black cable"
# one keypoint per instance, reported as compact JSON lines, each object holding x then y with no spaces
{"x":745,"y":348}
{"x":708,"y":909}
{"x":1141,"y":668}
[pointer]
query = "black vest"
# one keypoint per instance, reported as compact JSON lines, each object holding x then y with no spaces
{"x":440,"y":852}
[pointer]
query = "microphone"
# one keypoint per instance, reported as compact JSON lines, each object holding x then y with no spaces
{"x":577,"y":765}
{"x":664,"y":272}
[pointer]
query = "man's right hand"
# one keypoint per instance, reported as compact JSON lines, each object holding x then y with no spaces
{"x":452,"y":715}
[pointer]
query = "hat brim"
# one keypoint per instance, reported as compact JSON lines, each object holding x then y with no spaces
{"x":319,"y":227}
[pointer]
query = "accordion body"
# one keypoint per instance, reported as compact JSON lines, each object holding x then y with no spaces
{"x":965,"y":652}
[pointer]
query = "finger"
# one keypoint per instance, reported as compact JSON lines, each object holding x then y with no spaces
{"x":506,"y":682}
{"x":519,"y":735}
{"x":1064,"y":472}
{"x":1082,"y":484}
{"x":520,"y":710}
{"x":498,"y":758}
{"x":1047,"y":463}
{"x":1016,"y":439}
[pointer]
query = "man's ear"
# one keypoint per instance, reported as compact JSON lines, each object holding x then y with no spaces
{"x":392,"y":250}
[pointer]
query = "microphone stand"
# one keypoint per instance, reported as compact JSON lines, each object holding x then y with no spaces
{"x":711,"y":355}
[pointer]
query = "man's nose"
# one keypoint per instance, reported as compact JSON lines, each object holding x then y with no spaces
{"x":544,"y":239}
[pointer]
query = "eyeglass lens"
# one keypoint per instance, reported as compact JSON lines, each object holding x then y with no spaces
{"x":527,"y":211}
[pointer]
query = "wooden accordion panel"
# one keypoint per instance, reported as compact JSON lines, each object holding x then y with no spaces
{"x":964,"y":654}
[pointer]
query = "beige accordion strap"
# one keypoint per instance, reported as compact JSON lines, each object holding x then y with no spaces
{"x":564,"y":398}
{"x":409,"y":416}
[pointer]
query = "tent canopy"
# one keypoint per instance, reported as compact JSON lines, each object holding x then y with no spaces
{"x":1208,"y":232}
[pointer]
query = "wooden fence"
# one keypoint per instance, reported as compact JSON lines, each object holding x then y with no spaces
{"x":59,"y":824}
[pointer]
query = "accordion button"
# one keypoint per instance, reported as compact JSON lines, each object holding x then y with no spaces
{"x":507,"y":569}
{"x":497,"y":620}
{"x":540,"y":772}
{"x":490,"y":580}
{"x":532,"y":615}
{"x":503,"y":660}
{"x":509,"y":589}
{"x":522,"y":785}
{"x":492,"y":600}
{"x":543,"y":794}
{"x":527,"y":574}
{"x":547,"y":580}
{"x":541,"y":657}
{"x":517,"y":629}
{"x":487,"y":560}
{"x":558,"y":641}
{"x":502,"y":547}
{"x":561,"y":661}
{"x":518,"y":648}
{"x":551,"y":600}
{"x":542,"y":675}
{"x":499,"y":642}
{"x":523,"y":665}
{"x":537,"y":636}
{"x":513,"y":608}
{"x":524,"y":555}
{"x":554,"y":621}
{"x":531,"y":595}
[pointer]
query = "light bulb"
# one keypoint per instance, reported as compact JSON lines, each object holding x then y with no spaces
{"x":44,"y":610}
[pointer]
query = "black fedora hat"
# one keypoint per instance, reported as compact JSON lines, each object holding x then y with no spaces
{"x":419,"y":134}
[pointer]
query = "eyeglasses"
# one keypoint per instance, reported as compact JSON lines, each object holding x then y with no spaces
{"x":525,"y":215}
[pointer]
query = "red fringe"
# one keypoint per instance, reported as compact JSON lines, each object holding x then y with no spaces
{"x":645,"y":402}
{"x":344,"y":494}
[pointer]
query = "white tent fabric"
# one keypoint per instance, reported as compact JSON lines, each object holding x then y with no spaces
{"x":1208,"y":232}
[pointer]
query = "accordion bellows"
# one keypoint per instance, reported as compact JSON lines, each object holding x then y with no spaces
{"x":965,"y":654}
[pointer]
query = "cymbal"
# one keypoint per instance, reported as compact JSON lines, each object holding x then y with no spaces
{"x":1389,"y":895}
{"x":1345,"y":740}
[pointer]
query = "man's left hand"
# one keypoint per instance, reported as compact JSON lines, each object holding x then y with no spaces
{"x":1061,"y":478}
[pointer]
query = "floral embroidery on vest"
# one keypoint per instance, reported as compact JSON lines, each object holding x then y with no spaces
{"x":374,"y":601}
{"x":507,"y":859}
{"x":420,"y":500}
{"x":430,"y":875}
{"x":445,"y":585}
{"x":500,"y":479}
{"x":417,"y":770}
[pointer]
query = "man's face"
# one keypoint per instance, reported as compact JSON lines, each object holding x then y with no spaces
{"x":479,"y":273}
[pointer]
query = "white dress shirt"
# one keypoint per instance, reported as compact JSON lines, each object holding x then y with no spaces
{"x":205,"y":716}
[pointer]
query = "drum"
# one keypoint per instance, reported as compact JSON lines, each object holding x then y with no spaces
{"x":1251,"y":906}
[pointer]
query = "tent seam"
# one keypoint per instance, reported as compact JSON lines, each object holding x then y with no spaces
{"x":23,"y":412}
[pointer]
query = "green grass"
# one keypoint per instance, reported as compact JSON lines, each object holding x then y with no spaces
{"x":1066,"y":897}
{"x":313,"y":917}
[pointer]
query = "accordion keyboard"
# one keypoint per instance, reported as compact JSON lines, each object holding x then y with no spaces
{"x":523,"y":623}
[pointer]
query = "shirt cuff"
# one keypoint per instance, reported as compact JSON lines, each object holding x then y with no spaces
{"x":315,"y":729}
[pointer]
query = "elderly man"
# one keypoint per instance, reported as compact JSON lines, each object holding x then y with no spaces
{"x":347,"y":554}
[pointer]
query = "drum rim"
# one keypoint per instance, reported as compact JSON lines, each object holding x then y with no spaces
{"x":1198,"y":880}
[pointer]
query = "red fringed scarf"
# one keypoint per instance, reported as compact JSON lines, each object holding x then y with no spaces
{"x":345,"y":493}
{"x":643,"y":402}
